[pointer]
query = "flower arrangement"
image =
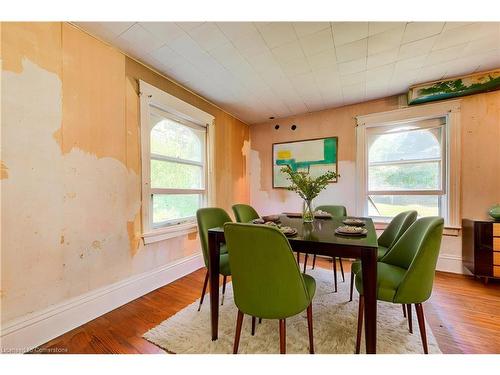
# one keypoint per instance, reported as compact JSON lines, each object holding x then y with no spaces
{"x":307,"y":187}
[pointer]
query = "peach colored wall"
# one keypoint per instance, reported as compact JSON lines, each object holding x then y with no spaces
{"x":339,"y":122}
{"x":480,"y":151}
{"x":70,"y":162}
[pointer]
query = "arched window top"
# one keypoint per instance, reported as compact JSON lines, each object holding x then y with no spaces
{"x":175,"y":140}
{"x":412,"y":144}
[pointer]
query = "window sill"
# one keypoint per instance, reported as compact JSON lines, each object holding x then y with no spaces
{"x":447,"y":231}
{"x":166,"y":233}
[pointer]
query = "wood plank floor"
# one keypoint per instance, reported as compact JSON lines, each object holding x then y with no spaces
{"x":464,"y":316}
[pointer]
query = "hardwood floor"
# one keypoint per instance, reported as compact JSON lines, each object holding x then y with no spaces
{"x":463,"y":314}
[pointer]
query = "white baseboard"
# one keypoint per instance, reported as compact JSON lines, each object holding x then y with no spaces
{"x":450,"y":263}
{"x":27,"y":332}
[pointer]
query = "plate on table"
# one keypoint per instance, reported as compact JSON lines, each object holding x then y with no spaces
{"x":274,"y":218}
{"x":258,"y":221}
{"x":293,"y":214}
{"x":288,"y":231}
{"x":322,"y":214}
{"x":348,"y":230}
{"x":354,"y":222}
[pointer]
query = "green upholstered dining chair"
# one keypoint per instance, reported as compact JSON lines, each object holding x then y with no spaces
{"x":398,"y":225}
{"x":244,"y":213}
{"x":267,"y":282}
{"x":207,"y":218}
{"x":336,"y":211}
{"x":405,"y":274}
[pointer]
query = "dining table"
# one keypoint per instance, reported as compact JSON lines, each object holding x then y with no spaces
{"x":316,"y":237}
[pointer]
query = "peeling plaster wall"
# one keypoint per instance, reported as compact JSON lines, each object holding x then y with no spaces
{"x":480,"y":128}
{"x":70,"y":167}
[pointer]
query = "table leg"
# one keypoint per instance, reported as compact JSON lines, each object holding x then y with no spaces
{"x":369,"y":269}
{"x":213,"y":272}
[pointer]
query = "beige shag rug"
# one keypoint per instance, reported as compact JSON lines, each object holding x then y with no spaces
{"x":334,"y":322}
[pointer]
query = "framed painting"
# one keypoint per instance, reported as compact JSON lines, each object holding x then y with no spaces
{"x":454,"y":87}
{"x":314,"y":155}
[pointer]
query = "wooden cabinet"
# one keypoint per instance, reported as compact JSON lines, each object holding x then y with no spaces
{"x":481,"y":247}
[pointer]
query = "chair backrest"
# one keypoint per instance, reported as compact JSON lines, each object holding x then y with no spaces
{"x":244,"y":213}
{"x":207,"y":218}
{"x":398,"y":225}
{"x":333,"y":210}
{"x":267,"y":282}
{"x":417,"y":251}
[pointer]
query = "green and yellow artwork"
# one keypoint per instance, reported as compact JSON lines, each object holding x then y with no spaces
{"x":451,"y":88}
{"x":317,"y":156}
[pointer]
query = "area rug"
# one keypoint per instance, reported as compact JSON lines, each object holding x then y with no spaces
{"x":334,"y":322}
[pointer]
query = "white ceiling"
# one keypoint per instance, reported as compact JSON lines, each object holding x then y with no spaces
{"x":262,"y":69}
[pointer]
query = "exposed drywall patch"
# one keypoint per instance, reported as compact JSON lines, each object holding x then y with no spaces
{"x":78,"y":239}
{"x":4,"y":171}
{"x":134,"y":233}
{"x":35,"y":41}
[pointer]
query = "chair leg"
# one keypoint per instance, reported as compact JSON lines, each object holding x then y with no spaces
{"x":352,"y":286}
{"x":224,"y":279}
{"x":421,"y":324}
{"x":342,"y":270}
{"x":298,"y":257}
{"x":310,"y":328}
{"x":239,"y":323}
{"x":314,"y":261}
{"x":335,"y":273}
{"x":361,"y":310}
{"x":260,"y":320}
{"x":404,"y":310}
{"x":305,"y":262}
{"x":282,"y":336}
{"x":410,"y":321}
{"x":203,"y":290}
{"x":253,"y":325}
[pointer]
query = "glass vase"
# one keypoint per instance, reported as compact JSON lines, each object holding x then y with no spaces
{"x":307,"y":211}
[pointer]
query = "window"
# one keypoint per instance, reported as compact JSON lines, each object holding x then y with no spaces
{"x":178,"y":186}
{"x":407,"y":169}
{"x":408,"y":159}
{"x":176,"y":164}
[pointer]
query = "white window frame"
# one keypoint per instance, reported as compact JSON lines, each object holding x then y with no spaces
{"x":450,"y":110}
{"x":154,"y":100}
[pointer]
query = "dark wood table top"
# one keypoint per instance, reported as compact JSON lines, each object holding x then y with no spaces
{"x":323,"y":231}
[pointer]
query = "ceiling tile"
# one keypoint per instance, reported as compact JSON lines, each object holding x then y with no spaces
{"x":382,"y":58}
{"x":386,"y":40}
{"x":118,"y":27}
{"x":288,"y":51}
{"x":186,"y":26}
{"x":324,"y":59}
{"x":417,"y":48}
{"x":317,"y":42}
{"x":346,"y":32}
{"x":352,"y":79}
{"x":420,"y":30}
{"x":232,"y":65}
{"x":294,"y":67}
{"x":139,"y":40}
{"x":278,"y":33}
{"x":354,"y":66}
{"x":379,"y":27}
{"x":236,"y":30}
{"x":251,"y":44}
{"x":447,"y":54}
{"x":352,"y":51}
{"x":464,"y":34}
{"x":307,"y":28}
{"x":208,"y":36}
{"x":163,"y":31}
